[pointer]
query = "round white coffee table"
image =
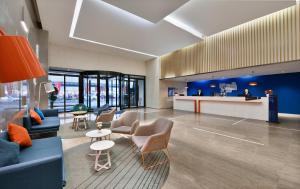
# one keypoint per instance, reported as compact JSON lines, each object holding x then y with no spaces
{"x":98,"y":134}
{"x":77,"y":119}
{"x":100,"y":146}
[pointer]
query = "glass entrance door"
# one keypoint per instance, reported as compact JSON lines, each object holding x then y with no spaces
{"x":113,"y":91}
{"x":90,"y":91}
{"x":102,"y":91}
{"x":133,"y":93}
{"x":124,"y":92}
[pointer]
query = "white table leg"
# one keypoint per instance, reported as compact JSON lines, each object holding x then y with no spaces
{"x":97,"y":159}
{"x":108,"y":158}
{"x":98,"y":166}
{"x":84,"y":120}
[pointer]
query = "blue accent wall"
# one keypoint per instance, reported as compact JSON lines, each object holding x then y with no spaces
{"x":285,"y":86}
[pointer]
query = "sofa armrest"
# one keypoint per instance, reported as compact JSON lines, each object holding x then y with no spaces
{"x":50,"y":113}
{"x":46,"y":173}
{"x":154,"y":143}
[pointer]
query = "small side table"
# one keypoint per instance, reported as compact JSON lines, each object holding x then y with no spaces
{"x":78,"y":119}
{"x":98,"y":134}
{"x":77,"y":113}
{"x":100,"y":146}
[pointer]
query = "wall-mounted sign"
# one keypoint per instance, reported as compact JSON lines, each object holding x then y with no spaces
{"x":228,"y":87}
{"x":171,"y":91}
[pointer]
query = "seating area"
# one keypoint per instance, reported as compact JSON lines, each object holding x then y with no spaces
{"x":50,"y":123}
{"x":131,"y":94}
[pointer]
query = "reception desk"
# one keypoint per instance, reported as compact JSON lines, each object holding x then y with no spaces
{"x":226,"y":106}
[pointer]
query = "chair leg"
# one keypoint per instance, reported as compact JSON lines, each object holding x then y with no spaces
{"x":166,"y":151}
{"x":143,"y":160}
{"x":157,"y":163}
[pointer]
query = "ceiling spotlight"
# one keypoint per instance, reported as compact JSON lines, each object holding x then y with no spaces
{"x":23,"y":23}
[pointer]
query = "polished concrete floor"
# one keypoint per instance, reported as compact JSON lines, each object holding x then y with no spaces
{"x":211,"y":151}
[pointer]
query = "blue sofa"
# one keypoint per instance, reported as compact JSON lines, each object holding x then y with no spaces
{"x":40,"y":166}
{"x":50,"y":124}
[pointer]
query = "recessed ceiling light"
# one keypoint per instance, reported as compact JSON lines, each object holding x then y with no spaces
{"x":24,"y":26}
{"x":23,"y":23}
{"x":107,"y":45}
{"x":183,"y":26}
{"x":75,"y":17}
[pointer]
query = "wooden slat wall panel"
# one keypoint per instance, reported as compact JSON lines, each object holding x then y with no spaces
{"x":272,"y":39}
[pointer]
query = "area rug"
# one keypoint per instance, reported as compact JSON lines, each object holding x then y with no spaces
{"x":126,"y":170}
{"x":66,"y":131}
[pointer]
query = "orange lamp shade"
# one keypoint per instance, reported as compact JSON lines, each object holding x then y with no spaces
{"x":17,"y":59}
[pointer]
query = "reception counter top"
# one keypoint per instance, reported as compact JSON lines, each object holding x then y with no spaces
{"x":227,"y":106}
{"x":218,"y":98}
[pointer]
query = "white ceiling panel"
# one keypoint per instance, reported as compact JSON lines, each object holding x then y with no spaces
{"x":152,"y":10}
{"x":107,"y":24}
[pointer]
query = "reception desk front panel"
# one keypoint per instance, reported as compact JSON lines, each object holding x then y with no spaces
{"x":227,"y":106}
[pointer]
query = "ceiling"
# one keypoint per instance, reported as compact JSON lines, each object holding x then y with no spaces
{"x":140,"y":29}
{"x":288,"y":67}
{"x":213,"y":16}
{"x":144,"y":8}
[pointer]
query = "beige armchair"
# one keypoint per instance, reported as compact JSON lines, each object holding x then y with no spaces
{"x":153,"y":137}
{"x":126,"y":124}
{"x":106,"y":116}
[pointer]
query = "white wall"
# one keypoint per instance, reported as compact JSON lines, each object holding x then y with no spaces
{"x":165,"y":101}
{"x":152,"y":83}
{"x":68,"y":57}
{"x":156,"y":89}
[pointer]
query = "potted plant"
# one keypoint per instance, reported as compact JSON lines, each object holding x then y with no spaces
{"x":53,"y":97}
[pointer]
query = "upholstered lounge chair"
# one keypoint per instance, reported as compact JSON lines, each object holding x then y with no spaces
{"x":126,"y":124}
{"x":153,"y":137}
{"x":106,"y":116}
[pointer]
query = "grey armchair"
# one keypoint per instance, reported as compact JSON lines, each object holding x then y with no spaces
{"x":153,"y":137}
{"x":126,"y":124}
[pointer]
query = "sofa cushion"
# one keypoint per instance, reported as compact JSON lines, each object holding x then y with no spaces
{"x":35,"y":117}
{"x":38,"y":111}
{"x":122,"y":129}
{"x":9,"y":153}
{"x":48,"y":123}
{"x":139,"y":141}
{"x":41,"y":148}
{"x":4,"y":135}
{"x":19,"y":134}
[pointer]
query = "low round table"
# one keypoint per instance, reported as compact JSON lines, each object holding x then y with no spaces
{"x":76,"y":113}
{"x":98,"y":134}
{"x":100,"y":146}
{"x":79,"y":118}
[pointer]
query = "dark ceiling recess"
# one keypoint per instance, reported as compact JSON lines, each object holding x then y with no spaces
{"x":34,"y":12}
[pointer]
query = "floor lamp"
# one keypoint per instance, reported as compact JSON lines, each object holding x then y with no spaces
{"x":48,"y":86}
{"x":17,"y":59}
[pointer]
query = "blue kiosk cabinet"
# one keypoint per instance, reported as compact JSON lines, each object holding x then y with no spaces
{"x":273,"y":109}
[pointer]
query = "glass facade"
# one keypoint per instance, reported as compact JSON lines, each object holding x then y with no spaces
{"x":97,"y":88}
{"x":71,"y":91}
